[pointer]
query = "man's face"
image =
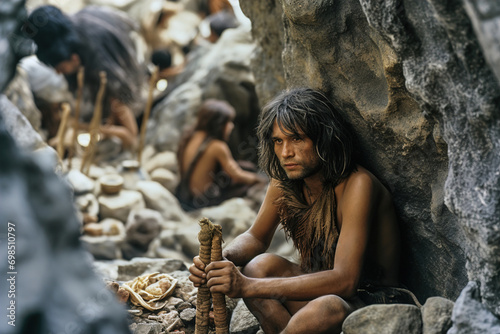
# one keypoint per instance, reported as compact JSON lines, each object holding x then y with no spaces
{"x":297,"y":154}
{"x":69,"y":66}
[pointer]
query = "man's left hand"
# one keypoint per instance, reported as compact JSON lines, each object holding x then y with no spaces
{"x":224,"y":277}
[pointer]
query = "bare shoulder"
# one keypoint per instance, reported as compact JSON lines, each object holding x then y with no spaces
{"x":218,"y":147}
{"x":361,"y":180}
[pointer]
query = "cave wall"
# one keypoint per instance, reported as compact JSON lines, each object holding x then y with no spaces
{"x":412,"y":78}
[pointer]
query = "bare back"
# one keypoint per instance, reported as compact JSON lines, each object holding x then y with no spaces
{"x":216,"y":157}
{"x":204,"y":171}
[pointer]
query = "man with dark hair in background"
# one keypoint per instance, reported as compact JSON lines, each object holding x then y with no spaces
{"x":339,"y":216}
{"x":99,"y":39}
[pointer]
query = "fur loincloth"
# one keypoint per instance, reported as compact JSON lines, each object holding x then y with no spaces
{"x":312,"y":228}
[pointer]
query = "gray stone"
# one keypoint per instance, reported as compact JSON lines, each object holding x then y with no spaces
{"x":234,"y":215}
{"x":19,"y":127}
{"x":87,"y":204}
{"x":81,"y":183}
{"x":470,"y":316}
{"x":183,"y":239}
{"x":436,"y":315}
{"x":185,"y":288}
{"x":188,"y":315}
{"x":120,"y":205}
{"x":148,"y":328}
{"x":387,"y":319}
{"x":242,"y":320}
{"x":106,"y":247}
{"x":56,"y":289}
{"x":166,"y":178}
{"x":142,"y":227}
{"x":160,"y":199}
{"x":19,"y":93}
{"x":166,"y":160}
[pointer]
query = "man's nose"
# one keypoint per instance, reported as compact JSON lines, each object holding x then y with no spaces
{"x":287,"y":150}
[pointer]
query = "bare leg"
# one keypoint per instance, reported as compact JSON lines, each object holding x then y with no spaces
{"x":331,"y":310}
{"x":273,"y":314}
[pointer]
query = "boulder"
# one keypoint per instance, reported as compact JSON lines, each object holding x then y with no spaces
{"x":166,"y":178}
{"x":387,"y":319}
{"x":81,"y":183}
{"x":119,"y":206}
{"x":160,"y":199}
{"x":470,"y":315}
{"x":242,"y":320}
{"x":106,"y":246}
{"x":166,"y":160}
{"x":436,"y":315}
{"x":234,"y":215}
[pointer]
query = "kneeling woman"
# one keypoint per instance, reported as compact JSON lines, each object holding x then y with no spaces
{"x":209,"y":173}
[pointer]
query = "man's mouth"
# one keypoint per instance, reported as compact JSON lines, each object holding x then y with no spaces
{"x":290,"y":165}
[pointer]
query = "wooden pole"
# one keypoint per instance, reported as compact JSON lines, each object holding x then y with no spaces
{"x":147,"y":111}
{"x":79,"y":93}
{"x":95,"y":123}
{"x":203,"y":298}
{"x":218,"y":299}
{"x":61,"y":131}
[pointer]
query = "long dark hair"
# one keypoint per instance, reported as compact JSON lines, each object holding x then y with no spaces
{"x":213,"y":117}
{"x":100,"y":36}
{"x":309,"y":111}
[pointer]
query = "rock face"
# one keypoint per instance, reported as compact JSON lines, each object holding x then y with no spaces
{"x":412,"y":79}
{"x":220,"y":71}
{"x":51,"y":280}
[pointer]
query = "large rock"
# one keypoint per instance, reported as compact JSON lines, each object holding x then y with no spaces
{"x":234,"y":215}
{"x":436,"y":315}
{"x":220,"y":71}
{"x":387,"y":319}
{"x":106,"y":247}
{"x":411,"y":78}
{"x":56,"y":290}
{"x":470,"y":316}
{"x":160,"y":199}
{"x":242,"y":320}
{"x":119,"y":206}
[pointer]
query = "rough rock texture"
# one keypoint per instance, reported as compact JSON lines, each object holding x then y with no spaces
{"x":220,"y":71}
{"x":447,"y":74}
{"x":436,"y":315}
{"x":411,"y":77}
{"x":485,"y":18}
{"x":54,"y":287}
{"x":470,"y":316}
{"x":387,"y":319}
{"x":267,"y":32}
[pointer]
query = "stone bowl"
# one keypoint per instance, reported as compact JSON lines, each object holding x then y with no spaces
{"x":111,"y":184}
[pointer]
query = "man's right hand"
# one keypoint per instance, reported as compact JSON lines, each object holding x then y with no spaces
{"x":197,"y":270}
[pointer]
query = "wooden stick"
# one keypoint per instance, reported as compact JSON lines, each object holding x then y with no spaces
{"x":95,"y":123}
{"x":79,"y":78}
{"x":203,"y":298}
{"x":62,"y":130}
{"x":147,"y":111}
{"x":218,"y":299}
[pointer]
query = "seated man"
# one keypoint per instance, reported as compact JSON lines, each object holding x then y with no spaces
{"x":338,"y":215}
{"x":98,"y":39}
{"x":209,"y":173}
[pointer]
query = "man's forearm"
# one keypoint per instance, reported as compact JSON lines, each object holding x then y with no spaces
{"x":243,"y":248}
{"x":304,"y":287}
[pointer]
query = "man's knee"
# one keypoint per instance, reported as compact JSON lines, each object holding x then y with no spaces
{"x":331,"y":310}
{"x":267,"y":265}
